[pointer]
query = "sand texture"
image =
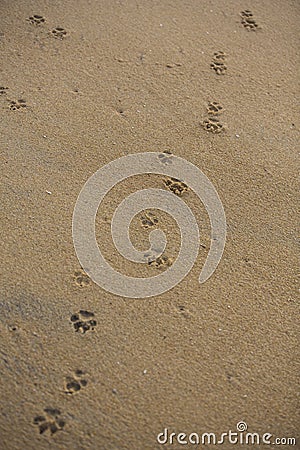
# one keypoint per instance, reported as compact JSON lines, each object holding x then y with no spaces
{"x":84,"y":82}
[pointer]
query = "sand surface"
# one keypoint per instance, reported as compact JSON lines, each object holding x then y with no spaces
{"x":123,"y":77}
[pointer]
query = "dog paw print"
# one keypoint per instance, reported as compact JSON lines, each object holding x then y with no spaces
{"x":218,"y":63}
{"x":3,"y":90}
{"x":74,"y":383}
{"x":178,"y":187}
{"x":148,"y":220}
{"x":248,"y":20}
{"x":151,"y":255}
{"x":166,"y":158}
{"x":214,"y":108}
{"x":59,"y":33}
{"x":83,"y":321}
{"x":161,"y":262}
{"x":17,"y":104}
{"x":50,"y":420}
{"x":213,"y":125}
{"x":36,"y":19}
{"x":212,"y":122}
{"x":81,"y":278}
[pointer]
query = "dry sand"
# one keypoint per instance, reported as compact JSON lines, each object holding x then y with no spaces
{"x":127,"y":77}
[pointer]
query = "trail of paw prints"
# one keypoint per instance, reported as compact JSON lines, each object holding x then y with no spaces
{"x":36,"y":19}
{"x":248,"y":21}
{"x":83,"y":321}
{"x":50,"y":420}
{"x":212,"y":122}
{"x":75,"y":383}
{"x":178,"y":187}
{"x":58,"y":33}
{"x":218,"y":63}
{"x":81,"y":279}
{"x":15,"y":105}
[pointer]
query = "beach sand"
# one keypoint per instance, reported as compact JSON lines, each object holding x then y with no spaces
{"x":123,"y":77}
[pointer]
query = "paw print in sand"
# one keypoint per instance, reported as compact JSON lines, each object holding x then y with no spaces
{"x":148,"y":220}
{"x":161,"y":262}
{"x":59,"y":33}
{"x":74,"y":383}
{"x":83,"y":321}
{"x":3,"y":90}
{"x":218,"y":63}
{"x":36,"y":19}
{"x":248,"y":20}
{"x":213,"y":125}
{"x":50,"y":420}
{"x":214,"y":108}
{"x":81,"y":278}
{"x":166,"y":158}
{"x":212,"y":122}
{"x":17,"y":104}
{"x":178,"y":187}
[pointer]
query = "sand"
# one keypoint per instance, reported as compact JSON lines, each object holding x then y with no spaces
{"x":122,"y":77}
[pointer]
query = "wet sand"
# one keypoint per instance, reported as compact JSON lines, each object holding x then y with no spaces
{"x":84,"y":83}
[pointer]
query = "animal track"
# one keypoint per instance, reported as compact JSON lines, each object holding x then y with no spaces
{"x":212,"y":123}
{"x":81,"y":278}
{"x":3,"y":90}
{"x":49,"y":421}
{"x":214,"y":108}
{"x":178,"y":187}
{"x":149,"y":220}
{"x":36,"y":19}
{"x":248,"y":20}
{"x":218,"y":63}
{"x":83,"y":321}
{"x":166,"y":158}
{"x":59,"y":33}
{"x":75,"y":383}
{"x":17,"y":104}
{"x":160,"y":262}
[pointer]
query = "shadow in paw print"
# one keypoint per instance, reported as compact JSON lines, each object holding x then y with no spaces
{"x":17,"y":104}
{"x":36,"y":19}
{"x":178,"y":187}
{"x":3,"y":90}
{"x":59,"y":33}
{"x":74,"y":383}
{"x":50,"y":420}
{"x":83,"y":321}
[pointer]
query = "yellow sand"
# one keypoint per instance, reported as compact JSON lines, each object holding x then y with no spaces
{"x":127,"y":77}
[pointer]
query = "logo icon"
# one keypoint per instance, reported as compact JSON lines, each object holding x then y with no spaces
{"x":101,"y":182}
